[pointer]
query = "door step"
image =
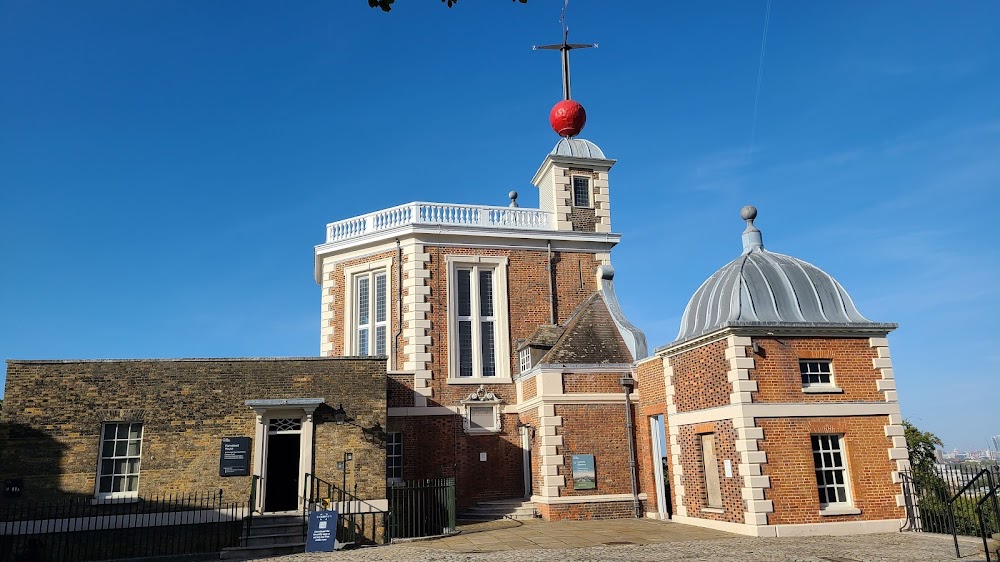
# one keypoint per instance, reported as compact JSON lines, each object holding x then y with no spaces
{"x":500,"y":509}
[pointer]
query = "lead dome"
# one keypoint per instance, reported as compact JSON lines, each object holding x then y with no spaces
{"x":762,"y":288}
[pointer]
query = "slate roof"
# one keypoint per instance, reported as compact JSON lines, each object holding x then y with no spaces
{"x":545,"y":336}
{"x":590,"y":336}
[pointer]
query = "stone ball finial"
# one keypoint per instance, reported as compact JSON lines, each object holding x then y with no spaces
{"x":748,"y":213}
{"x":513,"y":198}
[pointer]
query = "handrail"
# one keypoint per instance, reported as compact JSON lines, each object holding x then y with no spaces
{"x":996,"y":513}
{"x":951,"y":507}
{"x":442,"y":214}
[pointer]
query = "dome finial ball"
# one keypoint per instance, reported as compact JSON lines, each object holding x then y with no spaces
{"x":748,"y":213}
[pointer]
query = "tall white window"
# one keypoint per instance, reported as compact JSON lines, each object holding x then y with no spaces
{"x":121,"y":452}
{"x":476,"y":322}
{"x":394,"y":457}
{"x":371,"y":313}
{"x":831,"y":471}
{"x":478,"y":341}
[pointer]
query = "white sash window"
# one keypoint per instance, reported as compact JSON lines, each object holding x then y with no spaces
{"x":478,"y":332}
{"x":371,"y":313}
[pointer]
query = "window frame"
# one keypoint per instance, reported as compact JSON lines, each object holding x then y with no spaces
{"x":821,"y":386}
{"x":391,"y":466}
{"x":102,"y":438}
{"x":714,"y":470}
{"x":524,"y":360}
{"x":495,"y":411}
{"x":352,"y":275}
{"x":848,"y":503}
{"x":589,"y":190}
{"x":501,"y":325}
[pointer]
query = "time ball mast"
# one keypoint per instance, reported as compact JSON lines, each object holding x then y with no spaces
{"x":568,"y":116}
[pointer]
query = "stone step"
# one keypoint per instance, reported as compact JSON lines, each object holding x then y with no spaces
{"x":258,"y":529}
{"x":250,"y":552}
{"x":274,"y":540}
{"x":500,"y":511}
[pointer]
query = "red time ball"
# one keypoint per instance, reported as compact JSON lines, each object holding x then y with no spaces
{"x":567,"y":118}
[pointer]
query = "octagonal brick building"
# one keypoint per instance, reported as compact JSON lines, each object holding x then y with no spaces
{"x":774,"y":411}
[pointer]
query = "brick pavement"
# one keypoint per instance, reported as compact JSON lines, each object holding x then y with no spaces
{"x":647,"y":540}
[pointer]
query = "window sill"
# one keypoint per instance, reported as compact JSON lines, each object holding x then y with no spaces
{"x":822,"y":390}
{"x":109,"y":500}
{"x":482,"y":431}
{"x":832,"y":511}
{"x":480,"y":380}
{"x":715,"y":510}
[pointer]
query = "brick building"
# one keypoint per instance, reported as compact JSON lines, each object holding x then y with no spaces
{"x":489,"y":343}
{"x":778,"y":406}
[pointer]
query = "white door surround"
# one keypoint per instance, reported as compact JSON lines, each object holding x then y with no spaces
{"x":272,"y":409}
{"x":656,"y":430}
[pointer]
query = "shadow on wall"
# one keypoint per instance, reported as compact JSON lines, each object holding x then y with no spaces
{"x":38,"y":459}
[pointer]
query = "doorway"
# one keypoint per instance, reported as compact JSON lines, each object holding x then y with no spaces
{"x":281,"y":474}
{"x":526,"y":432}
{"x":658,"y":437}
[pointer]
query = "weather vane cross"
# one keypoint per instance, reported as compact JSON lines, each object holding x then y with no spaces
{"x":565,"y":47}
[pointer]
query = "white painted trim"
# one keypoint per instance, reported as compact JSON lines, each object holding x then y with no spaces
{"x":784,"y":410}
{"x":840,"y":528}
{"x":479,"y":237}
{"x":576,"y":398}
{"x":599,"y":498}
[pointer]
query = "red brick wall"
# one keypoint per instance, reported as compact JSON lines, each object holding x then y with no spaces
{"x":606,"y":383}
{"x":652,"y":402}
{"x":792,"y":470}
{"x":701,"y":377}
{"x":695,"y":496}
{"x":529,"y":388}
{"x":437,"y":447}
{"x":599,"y":510}
{"x":599,"y":430}
{"x":527,"y":293}
{"x":777,"y":369}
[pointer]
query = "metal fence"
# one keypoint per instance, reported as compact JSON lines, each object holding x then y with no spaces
{"x":422,"y":508}
{"x":359,"y":522}
{"x":80,"y":529}
{"x":954,"y":500}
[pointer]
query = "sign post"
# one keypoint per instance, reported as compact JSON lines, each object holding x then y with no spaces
{"x":322,"y":536}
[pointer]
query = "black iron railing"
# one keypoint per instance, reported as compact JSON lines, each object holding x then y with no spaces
{"x":946,"y":499}
{"x":989,"y":520}
{"x":79,"y":529}
{"x":360,"y":522}
{"x":422,"y":508}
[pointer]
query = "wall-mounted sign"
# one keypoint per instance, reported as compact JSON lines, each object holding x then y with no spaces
{"x":584,"y":475}
{"x":322,"y":535}
{"x":234,"y":457}
{"x":13,"y":488}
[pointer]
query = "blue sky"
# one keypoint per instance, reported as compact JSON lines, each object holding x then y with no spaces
{"x":167,"y":167}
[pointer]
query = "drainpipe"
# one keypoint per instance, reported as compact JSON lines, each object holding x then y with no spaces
{"x":399,"y":304}
{"x":548,"y":268}
{"x":628,"y":383}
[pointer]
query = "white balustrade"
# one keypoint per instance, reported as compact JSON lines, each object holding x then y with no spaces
{"x":439,"y":214}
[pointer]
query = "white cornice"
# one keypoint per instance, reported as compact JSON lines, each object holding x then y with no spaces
{"x":476,"y":237}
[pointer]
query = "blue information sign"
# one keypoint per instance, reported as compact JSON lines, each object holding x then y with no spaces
{"x":322,"y":531}
{"x":584,"y":475}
